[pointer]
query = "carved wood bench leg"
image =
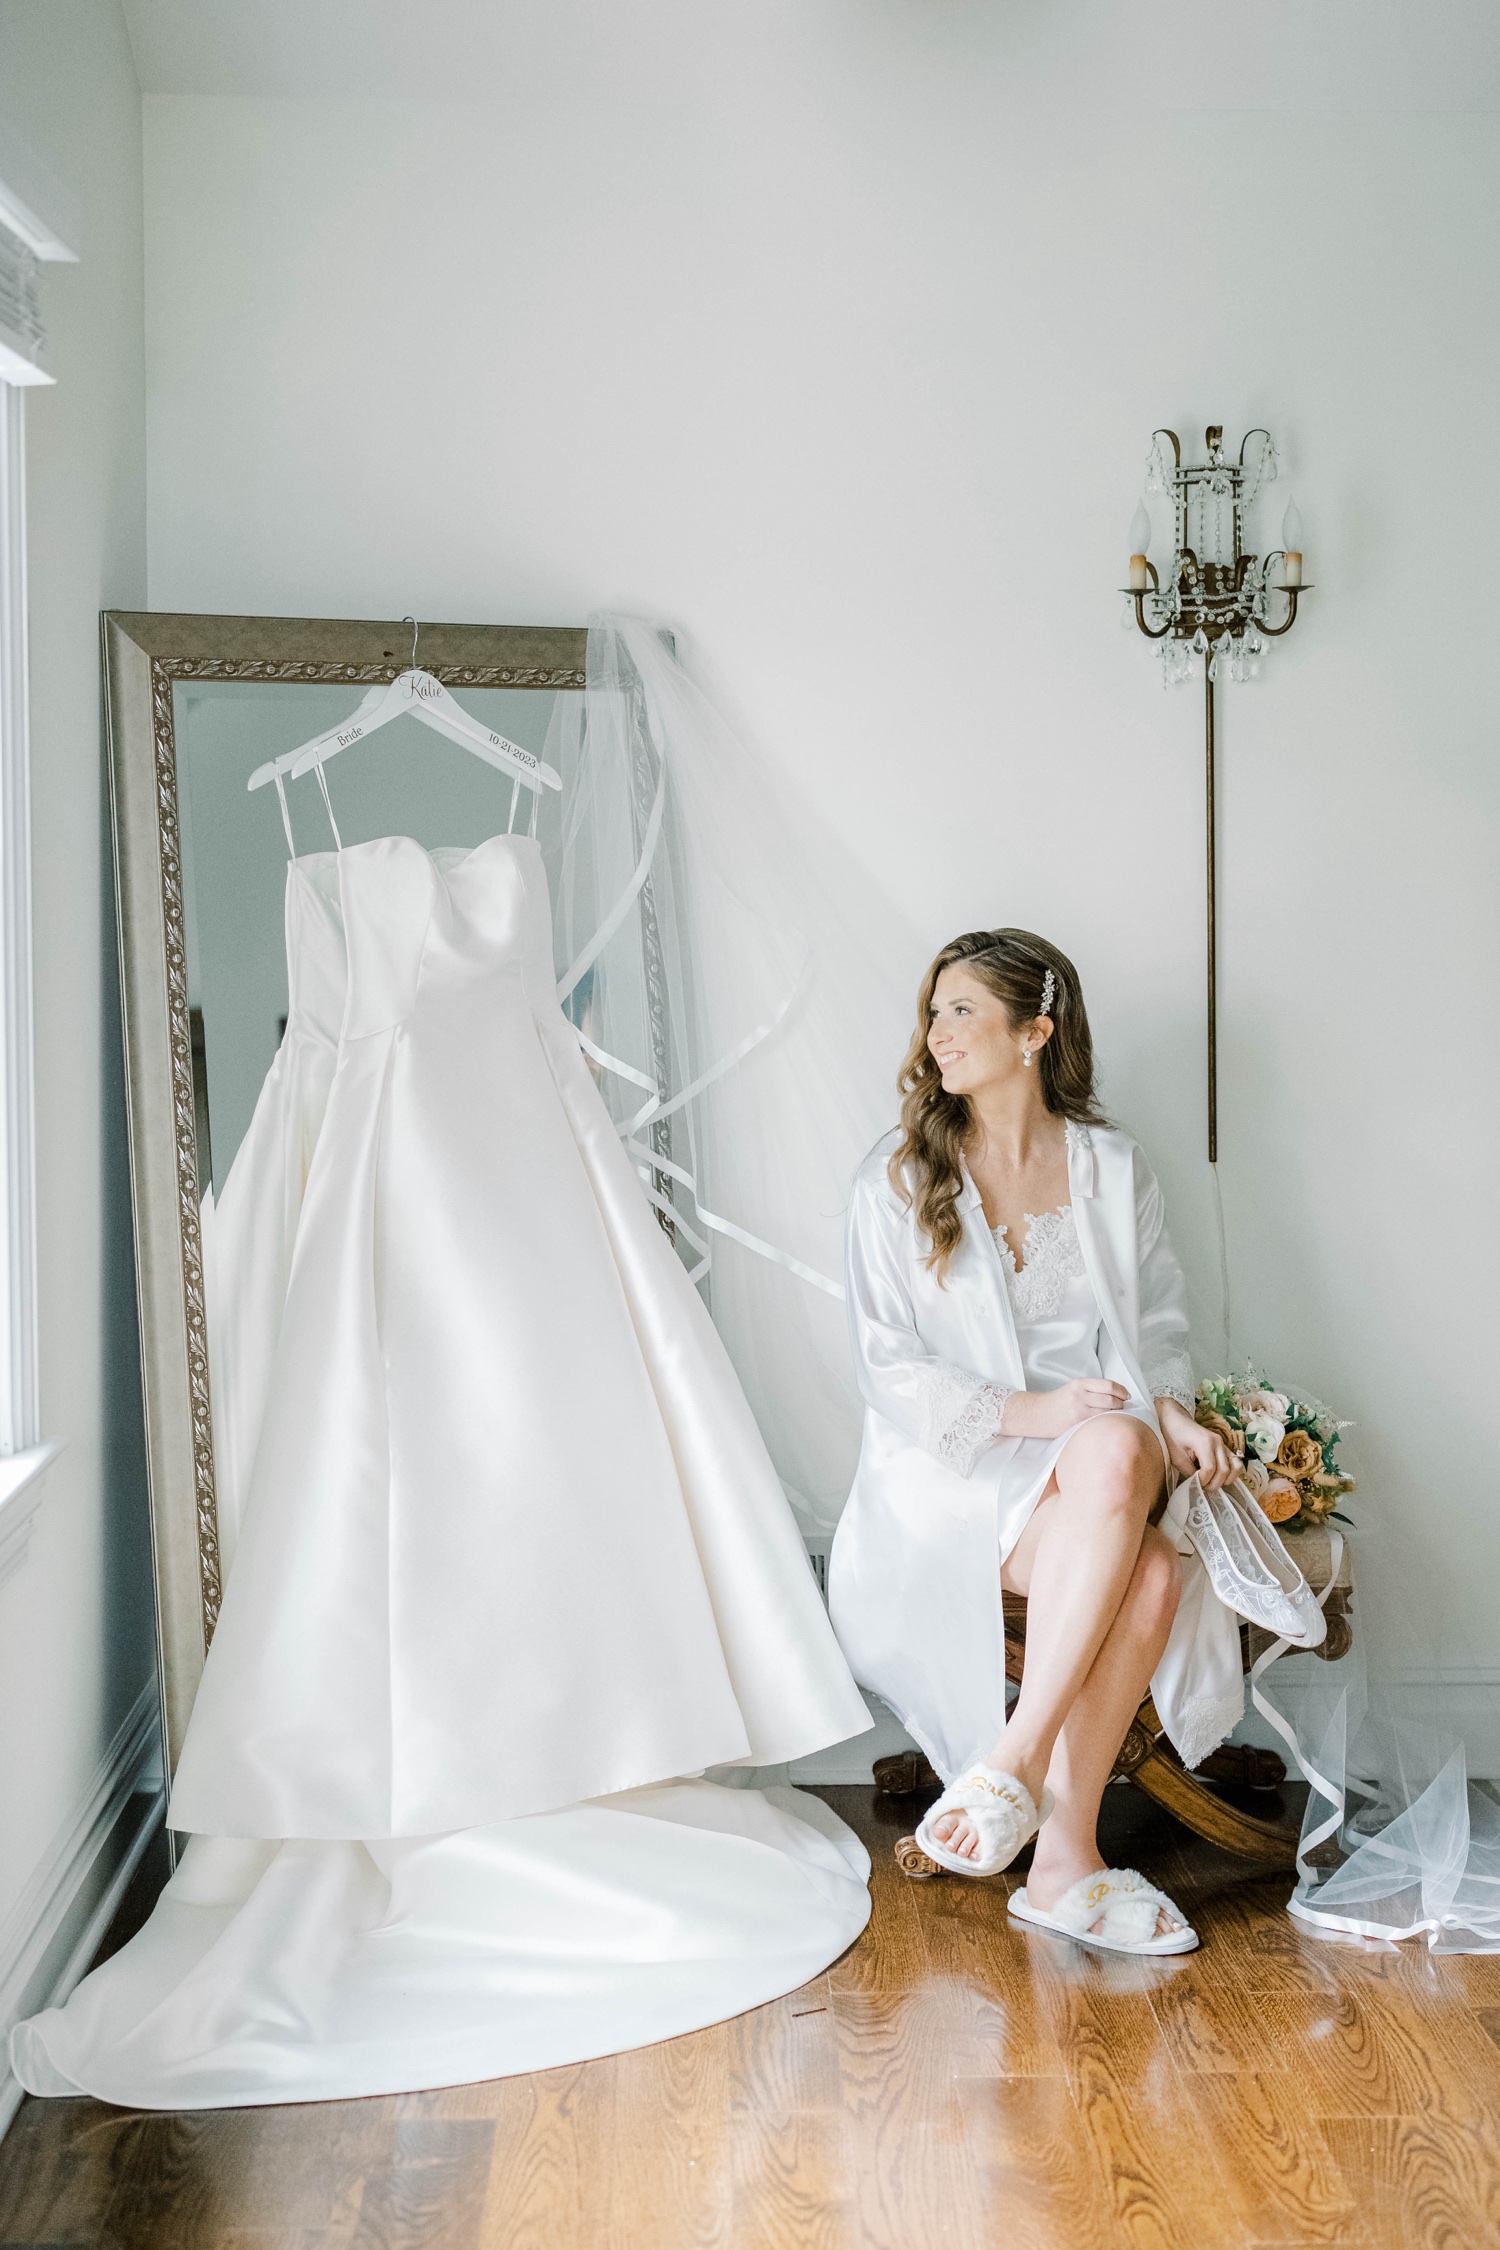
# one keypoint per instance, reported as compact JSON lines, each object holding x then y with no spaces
{"x":913,"y":1861}
{"x":1208,"y":1816}
{"x":1148,"y":1760}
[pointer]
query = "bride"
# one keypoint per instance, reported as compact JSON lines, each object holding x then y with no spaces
{"x":1020,"y":1328}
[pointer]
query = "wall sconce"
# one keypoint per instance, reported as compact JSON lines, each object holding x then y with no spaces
{"x":1215,"y":611}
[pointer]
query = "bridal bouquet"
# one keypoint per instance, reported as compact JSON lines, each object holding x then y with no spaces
{"x":1288,"y":1447}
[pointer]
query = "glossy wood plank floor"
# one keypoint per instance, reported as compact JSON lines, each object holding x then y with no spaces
{"x":949,"y":2083}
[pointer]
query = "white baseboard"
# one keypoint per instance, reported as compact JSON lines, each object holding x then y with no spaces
{"x":843,"y":1763}
{"x":55,"y":1927}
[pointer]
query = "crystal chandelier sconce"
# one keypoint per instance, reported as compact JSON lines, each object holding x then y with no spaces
{"x":1214,"y":609}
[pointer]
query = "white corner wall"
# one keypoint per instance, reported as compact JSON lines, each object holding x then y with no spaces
{"x":77,"y":1649}
{"x":843,"y":354}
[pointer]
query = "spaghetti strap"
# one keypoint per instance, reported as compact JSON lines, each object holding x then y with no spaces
{"x":328,"y":801}
{"x":286,"y":818}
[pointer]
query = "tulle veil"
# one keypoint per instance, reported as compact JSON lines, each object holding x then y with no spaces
{"x":741,"y":1016}
{"x":743,"y":1003}
{"x":1399,"y":1839}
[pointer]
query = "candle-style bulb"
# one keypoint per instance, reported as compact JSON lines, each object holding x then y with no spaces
{"x":1291,"y":529}
{"x":1140,"y":530}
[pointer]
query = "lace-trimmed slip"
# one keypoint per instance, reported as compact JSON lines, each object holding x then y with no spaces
{"x":1054,"y":1257}
{"x":1000,"y":1810}
{"x":1122,"y":1902}
{"x":1054,"y":1261}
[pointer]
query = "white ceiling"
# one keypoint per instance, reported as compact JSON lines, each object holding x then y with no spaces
{"x":1341,"y":56}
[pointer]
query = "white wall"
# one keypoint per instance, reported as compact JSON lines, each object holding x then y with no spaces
{"x":76,"y":1638}
{"x":842,"y":352}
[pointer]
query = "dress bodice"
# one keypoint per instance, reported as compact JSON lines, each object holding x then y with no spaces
{"x":1052,"y":1300}
{"x":317,"y":965}
{"x":442,"y":921}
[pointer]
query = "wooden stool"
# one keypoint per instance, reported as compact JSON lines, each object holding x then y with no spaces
{"x":1147,"y":1757}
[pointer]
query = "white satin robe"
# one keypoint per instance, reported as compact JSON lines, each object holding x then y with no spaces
{"x":914,"y":1576}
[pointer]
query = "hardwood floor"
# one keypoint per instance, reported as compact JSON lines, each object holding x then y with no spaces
{"x":949,"y":2083}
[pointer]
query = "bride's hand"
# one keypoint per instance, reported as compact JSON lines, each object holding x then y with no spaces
{"x":1194,"y":1451}
{"x":1049,"y":1413}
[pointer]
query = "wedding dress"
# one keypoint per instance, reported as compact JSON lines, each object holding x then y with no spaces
{"x":250,"y":1226}
{"x":512,"y":1559}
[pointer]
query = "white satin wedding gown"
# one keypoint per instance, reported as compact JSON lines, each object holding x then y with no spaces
{"x":250,"y":1229}
{"x":513,"y":1558}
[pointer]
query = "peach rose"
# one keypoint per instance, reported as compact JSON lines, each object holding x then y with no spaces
{"x":1298,"y":1456}
{"x":1209,"y":1419}
{"x":1281,"y":1501}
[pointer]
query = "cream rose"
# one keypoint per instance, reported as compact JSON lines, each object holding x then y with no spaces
{"x":1263,"y":1435}
{"x":1255,"y":1476}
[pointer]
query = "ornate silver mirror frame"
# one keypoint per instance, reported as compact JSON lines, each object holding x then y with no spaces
{"x":144,"y":653}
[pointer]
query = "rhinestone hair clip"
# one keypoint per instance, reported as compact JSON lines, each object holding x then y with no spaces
{"x":1049,"y":991}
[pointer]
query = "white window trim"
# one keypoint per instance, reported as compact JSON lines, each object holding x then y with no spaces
{"x":20,"y":1388}
{"x":24,"y":1453}
{"x":21,"y":1495}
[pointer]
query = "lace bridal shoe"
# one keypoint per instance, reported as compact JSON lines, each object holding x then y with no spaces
{"x":1124,"y":1905}
{"x":1248,"y":1567}
{"x":1001,"y":1812}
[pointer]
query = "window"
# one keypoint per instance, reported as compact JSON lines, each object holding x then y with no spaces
{"x":25,"y":241}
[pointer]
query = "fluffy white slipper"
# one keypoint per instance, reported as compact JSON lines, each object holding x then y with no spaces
{"x":1002,"y":1813}
{"x":1123,"y":1902}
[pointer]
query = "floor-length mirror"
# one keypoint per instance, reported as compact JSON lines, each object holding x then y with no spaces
{"x":197,"y":704}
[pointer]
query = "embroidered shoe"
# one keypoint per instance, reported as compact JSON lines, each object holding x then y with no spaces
{"x":1248,"y":1567}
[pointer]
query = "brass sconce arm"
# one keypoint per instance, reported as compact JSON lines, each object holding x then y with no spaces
{"x":1274,"y":632}
{"x":1140,"y":595}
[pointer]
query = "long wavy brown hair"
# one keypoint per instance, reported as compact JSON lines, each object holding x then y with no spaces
{"x":935,"y":1127}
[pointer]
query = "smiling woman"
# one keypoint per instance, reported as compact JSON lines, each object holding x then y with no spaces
{"x":1020,"y":1327}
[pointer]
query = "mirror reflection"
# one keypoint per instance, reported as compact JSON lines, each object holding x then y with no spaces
{"x":404,"y":780}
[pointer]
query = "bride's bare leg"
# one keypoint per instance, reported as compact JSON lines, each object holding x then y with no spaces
{"x":1077,"y":1560}
{"x":1068,"y":1845}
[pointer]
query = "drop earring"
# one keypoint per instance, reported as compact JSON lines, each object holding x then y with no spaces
{"x":1026,"y":1058}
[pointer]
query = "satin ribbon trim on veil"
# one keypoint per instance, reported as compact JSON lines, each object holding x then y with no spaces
{"x":656,"y":1107}
{"x":617,"y":913}
{"x":1333,"y":1793}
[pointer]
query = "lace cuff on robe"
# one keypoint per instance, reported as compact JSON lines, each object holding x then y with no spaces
{"x":1172,"y":1378}
{"x":963,"y":1416}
